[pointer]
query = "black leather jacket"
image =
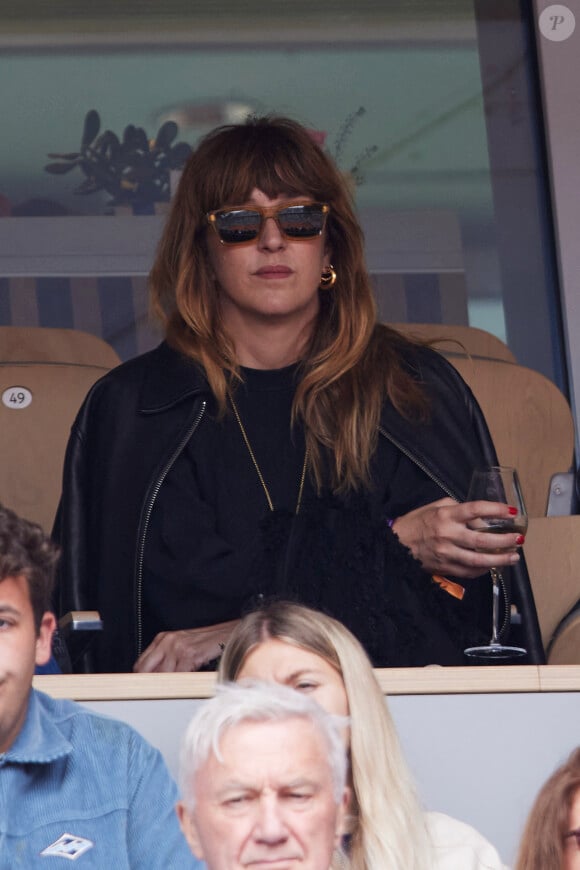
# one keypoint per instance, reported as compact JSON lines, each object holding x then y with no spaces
{"x":131,"y":428}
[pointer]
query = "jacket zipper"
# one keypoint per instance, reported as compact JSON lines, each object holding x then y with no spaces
{"x":446,"y":490}
{"x":145,"y":526}
{"x":420,"y":464}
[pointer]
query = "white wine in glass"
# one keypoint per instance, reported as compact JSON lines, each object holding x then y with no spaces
{"x":498,"y":484}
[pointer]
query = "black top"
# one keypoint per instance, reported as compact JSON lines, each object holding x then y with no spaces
{"x":205,"y":559}
{"x":128,"y":433}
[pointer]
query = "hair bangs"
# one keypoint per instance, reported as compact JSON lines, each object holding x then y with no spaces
{"x":278,"y":160}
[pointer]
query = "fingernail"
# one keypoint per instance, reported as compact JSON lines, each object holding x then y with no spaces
{"x":520,"y":539}
{"x":515,"y":558}
{"x":513,"y":511}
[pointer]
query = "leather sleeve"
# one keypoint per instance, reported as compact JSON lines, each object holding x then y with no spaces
{"x":71,"y":532}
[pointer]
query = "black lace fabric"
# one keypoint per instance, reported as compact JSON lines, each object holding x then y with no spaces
{"x":338,"y":557}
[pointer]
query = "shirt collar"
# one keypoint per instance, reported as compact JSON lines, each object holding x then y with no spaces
{"x":40,"y":740}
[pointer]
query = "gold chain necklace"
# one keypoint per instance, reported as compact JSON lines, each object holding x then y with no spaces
{"x":257,"y":467}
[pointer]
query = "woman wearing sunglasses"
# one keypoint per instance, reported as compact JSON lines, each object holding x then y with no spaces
{"x":277,"y":433}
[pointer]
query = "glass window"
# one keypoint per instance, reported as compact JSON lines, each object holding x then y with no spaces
{"x":430,"y":107}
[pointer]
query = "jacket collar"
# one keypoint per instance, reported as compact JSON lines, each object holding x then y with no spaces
{"x":40,"y":741}
{"x":169,"y":378}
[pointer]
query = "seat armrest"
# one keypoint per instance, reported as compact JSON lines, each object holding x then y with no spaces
{"x":77,"y":630}
{"x":80,"y":620}
{"x":564,"y":648}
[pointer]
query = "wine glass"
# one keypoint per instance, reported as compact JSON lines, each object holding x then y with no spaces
{"x":498,"y":483}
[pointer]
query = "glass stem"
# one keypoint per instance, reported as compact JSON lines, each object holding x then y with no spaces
{"x":496,"y":592}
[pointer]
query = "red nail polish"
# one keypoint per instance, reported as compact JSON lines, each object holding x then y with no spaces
{"x":520,"y":539}
{"x":513,"y":511}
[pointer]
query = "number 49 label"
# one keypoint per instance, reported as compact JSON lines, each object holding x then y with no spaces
{"x":16,"y":398}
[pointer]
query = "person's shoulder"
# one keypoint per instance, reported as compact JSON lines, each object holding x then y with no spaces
{"x":75,"y":721}
{"x":413,"y":353}
{"x":459,"y":846}
{"x":120,"y":385}
{"x":108,"y":738}
{"x":132,"y":371}
{"x":56,"y":709}
{"x":130,"y":804}
{"x":421,"y":361}
{"x":429,"y":363}
{"x":150,"y":380}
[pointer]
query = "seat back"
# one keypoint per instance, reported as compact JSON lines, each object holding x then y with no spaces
{"x":529,"y":419}
{"x":45,"y":344}
{"x":39,"y":402}
{"x":565,"y":648}
{"x":459,"y":338}
{"x":45,"y":374}
{"x":552,"y":551}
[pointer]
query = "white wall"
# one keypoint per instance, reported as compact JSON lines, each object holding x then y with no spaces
{"x":481,"y":757}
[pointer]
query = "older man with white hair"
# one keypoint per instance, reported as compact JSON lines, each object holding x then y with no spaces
{"x":263,"y":775}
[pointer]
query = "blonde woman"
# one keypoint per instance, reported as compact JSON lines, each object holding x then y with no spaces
{"x":313,"y":653}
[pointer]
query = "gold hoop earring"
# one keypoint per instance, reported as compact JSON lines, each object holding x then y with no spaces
{"x":328,"y":278}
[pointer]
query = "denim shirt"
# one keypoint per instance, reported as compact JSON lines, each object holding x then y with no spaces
{"x":76,"y":784}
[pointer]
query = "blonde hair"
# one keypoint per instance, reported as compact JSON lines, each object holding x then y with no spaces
{"x":542,"y":842}
{"x":351,"y":363}
{"x":389,"y":830}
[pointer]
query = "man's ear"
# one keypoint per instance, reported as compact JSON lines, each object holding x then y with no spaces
{"x":44,"y":639}
{"x":189,"y":829}
{"x":342,"y":826}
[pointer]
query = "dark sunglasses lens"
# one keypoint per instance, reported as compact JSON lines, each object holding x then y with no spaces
{"x":241,"y":225}
{"x":302,"y":221}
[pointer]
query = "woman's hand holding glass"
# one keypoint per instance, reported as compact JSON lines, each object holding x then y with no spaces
{"x":445,"y":538}
{"x":496,"y":484}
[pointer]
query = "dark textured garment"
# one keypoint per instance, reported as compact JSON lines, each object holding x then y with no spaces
{"x":203,"y":542}
{"x":214,"y":547}
{"x":132,"y":430}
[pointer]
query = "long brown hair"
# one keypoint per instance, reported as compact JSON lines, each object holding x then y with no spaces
{"x":388,"y":830}
{"x":351,"y":363}
{"x":542,"y":843}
